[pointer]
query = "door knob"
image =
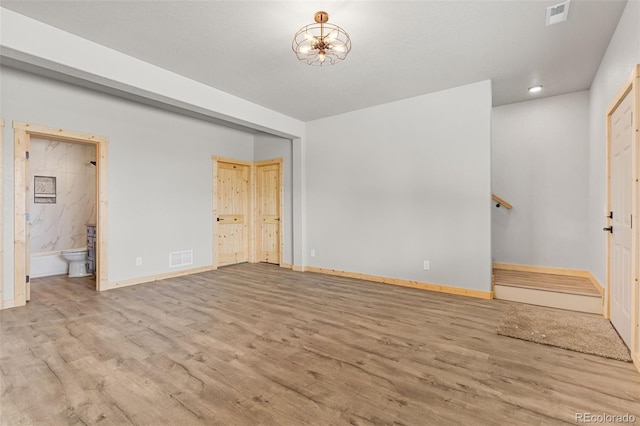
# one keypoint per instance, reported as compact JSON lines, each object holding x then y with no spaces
{"x":610,"y":229}
{"x":218,"y":219}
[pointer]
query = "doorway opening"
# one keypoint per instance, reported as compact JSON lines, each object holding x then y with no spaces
{"x":24,"y":192}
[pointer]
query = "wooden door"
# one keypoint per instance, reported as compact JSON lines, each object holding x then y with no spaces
{"x":621,"y":207}
{"x":232,"y":213}
{"x":268,"y":188}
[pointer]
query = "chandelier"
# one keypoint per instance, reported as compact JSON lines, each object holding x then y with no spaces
{"x":321,"y":43}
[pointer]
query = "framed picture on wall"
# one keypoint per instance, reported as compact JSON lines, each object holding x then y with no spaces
{"x":44,"y":189}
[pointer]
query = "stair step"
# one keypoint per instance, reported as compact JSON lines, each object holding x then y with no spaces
{"x":546,"y":282}
{"x":551,"y":299}
{"x":551,"y":290}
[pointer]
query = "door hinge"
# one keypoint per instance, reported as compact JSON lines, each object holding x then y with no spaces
{"x":27,"y":154}
{"x":631,"y":225}
{"x":27,"y":278}
{"x":27,"y":217}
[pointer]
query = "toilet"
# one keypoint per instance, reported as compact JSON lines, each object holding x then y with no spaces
{"x":78,"y":264}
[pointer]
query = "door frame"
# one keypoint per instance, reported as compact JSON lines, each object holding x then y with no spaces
{"x":252,"y":228}
{"x":631,"y":86}
{"x":22,"y":137}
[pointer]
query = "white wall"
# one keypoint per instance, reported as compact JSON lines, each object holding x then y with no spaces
{"x":159,"y":170}
{"x":540,"y":161}
{"x":615,"y":69}
{"x":268,"y":147}
{"x":390,"y":186}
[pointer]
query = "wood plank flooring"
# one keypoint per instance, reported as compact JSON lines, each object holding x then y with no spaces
{"x":255,"y":344}
{"x":542,"y":281}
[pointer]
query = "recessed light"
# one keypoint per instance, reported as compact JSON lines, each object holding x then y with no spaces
{"x":535,"y":89}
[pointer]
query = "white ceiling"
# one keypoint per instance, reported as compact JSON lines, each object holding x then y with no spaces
{"x":400,"y":48}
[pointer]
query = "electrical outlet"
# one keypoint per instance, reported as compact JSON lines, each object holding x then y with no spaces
{"x":313,"y":252}
{"x":426,"y":265}
{"x":138,"y":261}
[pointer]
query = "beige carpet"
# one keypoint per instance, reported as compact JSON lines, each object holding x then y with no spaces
{"x":587,"y":333}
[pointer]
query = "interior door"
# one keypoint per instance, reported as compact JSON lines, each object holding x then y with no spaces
{"x":232,"y":213}
{"x":621,"y":238}
{"x":268,"y":211}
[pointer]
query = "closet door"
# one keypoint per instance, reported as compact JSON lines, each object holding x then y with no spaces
{"x":232,"y":213}
{"x":268,"y":190}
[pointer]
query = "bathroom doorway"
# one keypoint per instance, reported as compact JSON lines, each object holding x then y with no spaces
{"x":62,"y":207}
{"x":26,"y":193}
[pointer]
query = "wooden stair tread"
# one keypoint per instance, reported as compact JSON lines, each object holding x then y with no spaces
{"x":546,"y":282}
{"x":556,"y":290}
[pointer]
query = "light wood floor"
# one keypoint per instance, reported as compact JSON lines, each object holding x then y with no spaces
{"x":259,"y":345}
{"x":542,"y":281}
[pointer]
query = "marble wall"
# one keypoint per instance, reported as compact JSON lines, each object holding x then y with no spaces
{"x":62,"y":226}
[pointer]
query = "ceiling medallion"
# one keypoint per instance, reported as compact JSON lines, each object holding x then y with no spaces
{"x":321,"y":43}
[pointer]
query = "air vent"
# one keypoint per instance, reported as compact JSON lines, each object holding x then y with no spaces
{"x":180,"y":258}
{"x":557,"y":13}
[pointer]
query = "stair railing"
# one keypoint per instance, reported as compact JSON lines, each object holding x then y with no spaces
{"x":500,"y":202}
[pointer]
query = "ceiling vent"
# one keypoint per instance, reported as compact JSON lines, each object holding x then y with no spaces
{"x":557,"y":13}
